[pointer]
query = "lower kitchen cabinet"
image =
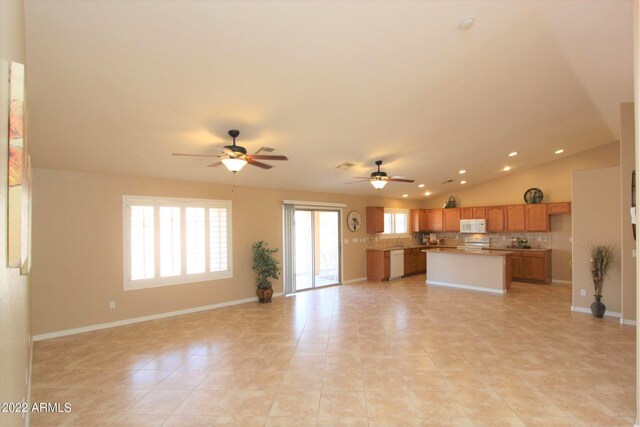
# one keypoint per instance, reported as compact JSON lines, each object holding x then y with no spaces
{"x":378,"y":265}
{"x":415,"y":262}
{"x":531,"y":266}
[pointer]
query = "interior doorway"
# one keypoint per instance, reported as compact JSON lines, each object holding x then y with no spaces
{"x":316,"y":248}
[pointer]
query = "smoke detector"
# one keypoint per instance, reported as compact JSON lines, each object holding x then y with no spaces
{"x":466,"y":22}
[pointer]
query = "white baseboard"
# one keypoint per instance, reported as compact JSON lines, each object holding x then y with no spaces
{"x":627,"y":322}
{"x":359,"y":279}
{"x":564,"y":282}
{"x":144,"y":318}
{"x":468,"y":287}
{"x":588,"y":311}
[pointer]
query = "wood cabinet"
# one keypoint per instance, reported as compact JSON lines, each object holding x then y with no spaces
{"x":479,"y":213}
{"x":378,"y":265}
{"x":408,"y":268}
{"x":451,"y":219}
{"x":515,"y":218}
{"x":435,"y":220}
{"x":559,"y":208}
{"x":466,"y":213}
{"x":418,"y":218}
{"x":536,"y":217}
{"x":413,"y":263}
{"x":495,"y":219}
{"x":531,"y":266}
{"x":375,"y":219}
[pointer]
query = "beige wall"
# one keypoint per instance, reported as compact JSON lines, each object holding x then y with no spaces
{"x":596,"y":219}
{"x":78,"y":262}
{"x":553,"y":178}
{"x":14,"y":292}
{"x":627,"y":244}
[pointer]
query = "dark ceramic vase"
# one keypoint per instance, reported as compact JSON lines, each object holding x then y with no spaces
{"x":597,"y":307}
{"x":264,"y":295}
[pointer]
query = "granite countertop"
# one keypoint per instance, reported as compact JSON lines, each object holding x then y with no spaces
{"x":455,"y":247}
{"x":399,"y":248}
{"x":482,"y":252}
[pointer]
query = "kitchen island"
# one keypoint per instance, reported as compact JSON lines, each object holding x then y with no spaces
{"x":478,"y":270}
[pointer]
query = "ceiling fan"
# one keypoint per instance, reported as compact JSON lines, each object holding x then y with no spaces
{"x":234,"y":157}
{"x":379,"y":179}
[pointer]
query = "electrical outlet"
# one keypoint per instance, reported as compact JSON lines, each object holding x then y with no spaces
{"x":112,"y":305}
{"x":583,"y":292}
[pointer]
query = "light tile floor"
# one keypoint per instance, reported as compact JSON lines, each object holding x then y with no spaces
{"x":391,"y":354}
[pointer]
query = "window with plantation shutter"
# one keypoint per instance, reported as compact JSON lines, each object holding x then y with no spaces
{"x":396,"y":223}
{"x":174,"y":241}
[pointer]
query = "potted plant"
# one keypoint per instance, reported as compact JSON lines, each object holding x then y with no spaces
{"x":266,"y":267}
{"x":601,"y":260}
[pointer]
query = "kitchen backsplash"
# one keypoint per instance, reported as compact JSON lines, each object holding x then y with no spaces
{"x":498,"y":240}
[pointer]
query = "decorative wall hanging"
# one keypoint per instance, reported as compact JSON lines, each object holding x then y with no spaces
{"x":18,"y":191}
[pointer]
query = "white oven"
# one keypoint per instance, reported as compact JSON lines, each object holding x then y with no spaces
{"x":473,"y":226}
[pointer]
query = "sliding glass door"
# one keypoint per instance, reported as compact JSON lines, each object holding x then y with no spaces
{"x":316,"y":248}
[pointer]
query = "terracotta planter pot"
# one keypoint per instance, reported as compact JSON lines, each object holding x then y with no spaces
{"x":264,"y":295}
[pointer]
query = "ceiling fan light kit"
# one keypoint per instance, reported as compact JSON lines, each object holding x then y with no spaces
{"x":378,"y":184}
{"x":233,"y":164}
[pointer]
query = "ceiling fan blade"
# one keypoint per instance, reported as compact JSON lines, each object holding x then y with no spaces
{"x":266,"y":157}
{"x":196,"y":155}
{"x":355,"y":182}
{"x":259,"y":164}
{"x":394,"y":179}
{"x":213,"y":165}
{"x":365,"y":178}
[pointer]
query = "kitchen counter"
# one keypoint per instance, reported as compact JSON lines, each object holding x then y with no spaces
{"x":430,"y":247}
{"x":398,"y":249}
{"x":486,"y":270}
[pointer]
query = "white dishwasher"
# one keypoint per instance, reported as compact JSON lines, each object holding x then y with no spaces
{"x":397,"y":264}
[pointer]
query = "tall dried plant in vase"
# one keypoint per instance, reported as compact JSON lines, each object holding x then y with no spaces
{"x":601,"y":259}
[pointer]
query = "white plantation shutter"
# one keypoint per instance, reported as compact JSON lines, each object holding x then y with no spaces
{"x":174,"y":241}
{"x":396,"y":221}
{"x":142,"y":242}
{"x":388,"y":223}
{"x":218,"y":250}
{"x":170,"y":243}
{"x":195,"y":240}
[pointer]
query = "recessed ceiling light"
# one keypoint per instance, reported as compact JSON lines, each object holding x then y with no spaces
{"x":463,"y":182}
{"x":560,"y":151}
{"x":506,"y":168}
{"x":428,"y":193}
{"x":466,"y":22}
{"x":405,"y":195}
{"x":513,"y":153}
{"x":461,"y":171}
{"x":421,"y":185}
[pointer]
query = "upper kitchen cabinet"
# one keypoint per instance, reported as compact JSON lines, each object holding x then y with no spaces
{"x":418,"y":220}
{"x":375,"y":219}
{"x":515,"y":218}
{"x":435,"y":220}
{"x":536,"y":217}
{"x":495,"y":219}
{"x":559,"y":208}
{"x":466,"y":213}
{"x":479,"y":213}
{"x":452,"y":219}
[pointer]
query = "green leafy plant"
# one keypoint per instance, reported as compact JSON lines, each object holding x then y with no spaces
{"x":265,"y":265}
{"x":601,"y":259}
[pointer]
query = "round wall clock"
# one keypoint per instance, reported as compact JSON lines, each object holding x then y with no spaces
{"x":354,"y":220}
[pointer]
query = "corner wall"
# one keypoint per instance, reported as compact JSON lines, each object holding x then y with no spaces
{"x":78,"y":245}
{"x":627,"y":244}
{"x":14,"y":291}
{"x":596,"y":220}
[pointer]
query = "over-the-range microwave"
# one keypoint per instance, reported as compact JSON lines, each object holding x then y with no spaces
{"x":473,"y":226}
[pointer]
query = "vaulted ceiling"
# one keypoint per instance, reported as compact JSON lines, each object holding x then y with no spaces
{"x":117,"y":86}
